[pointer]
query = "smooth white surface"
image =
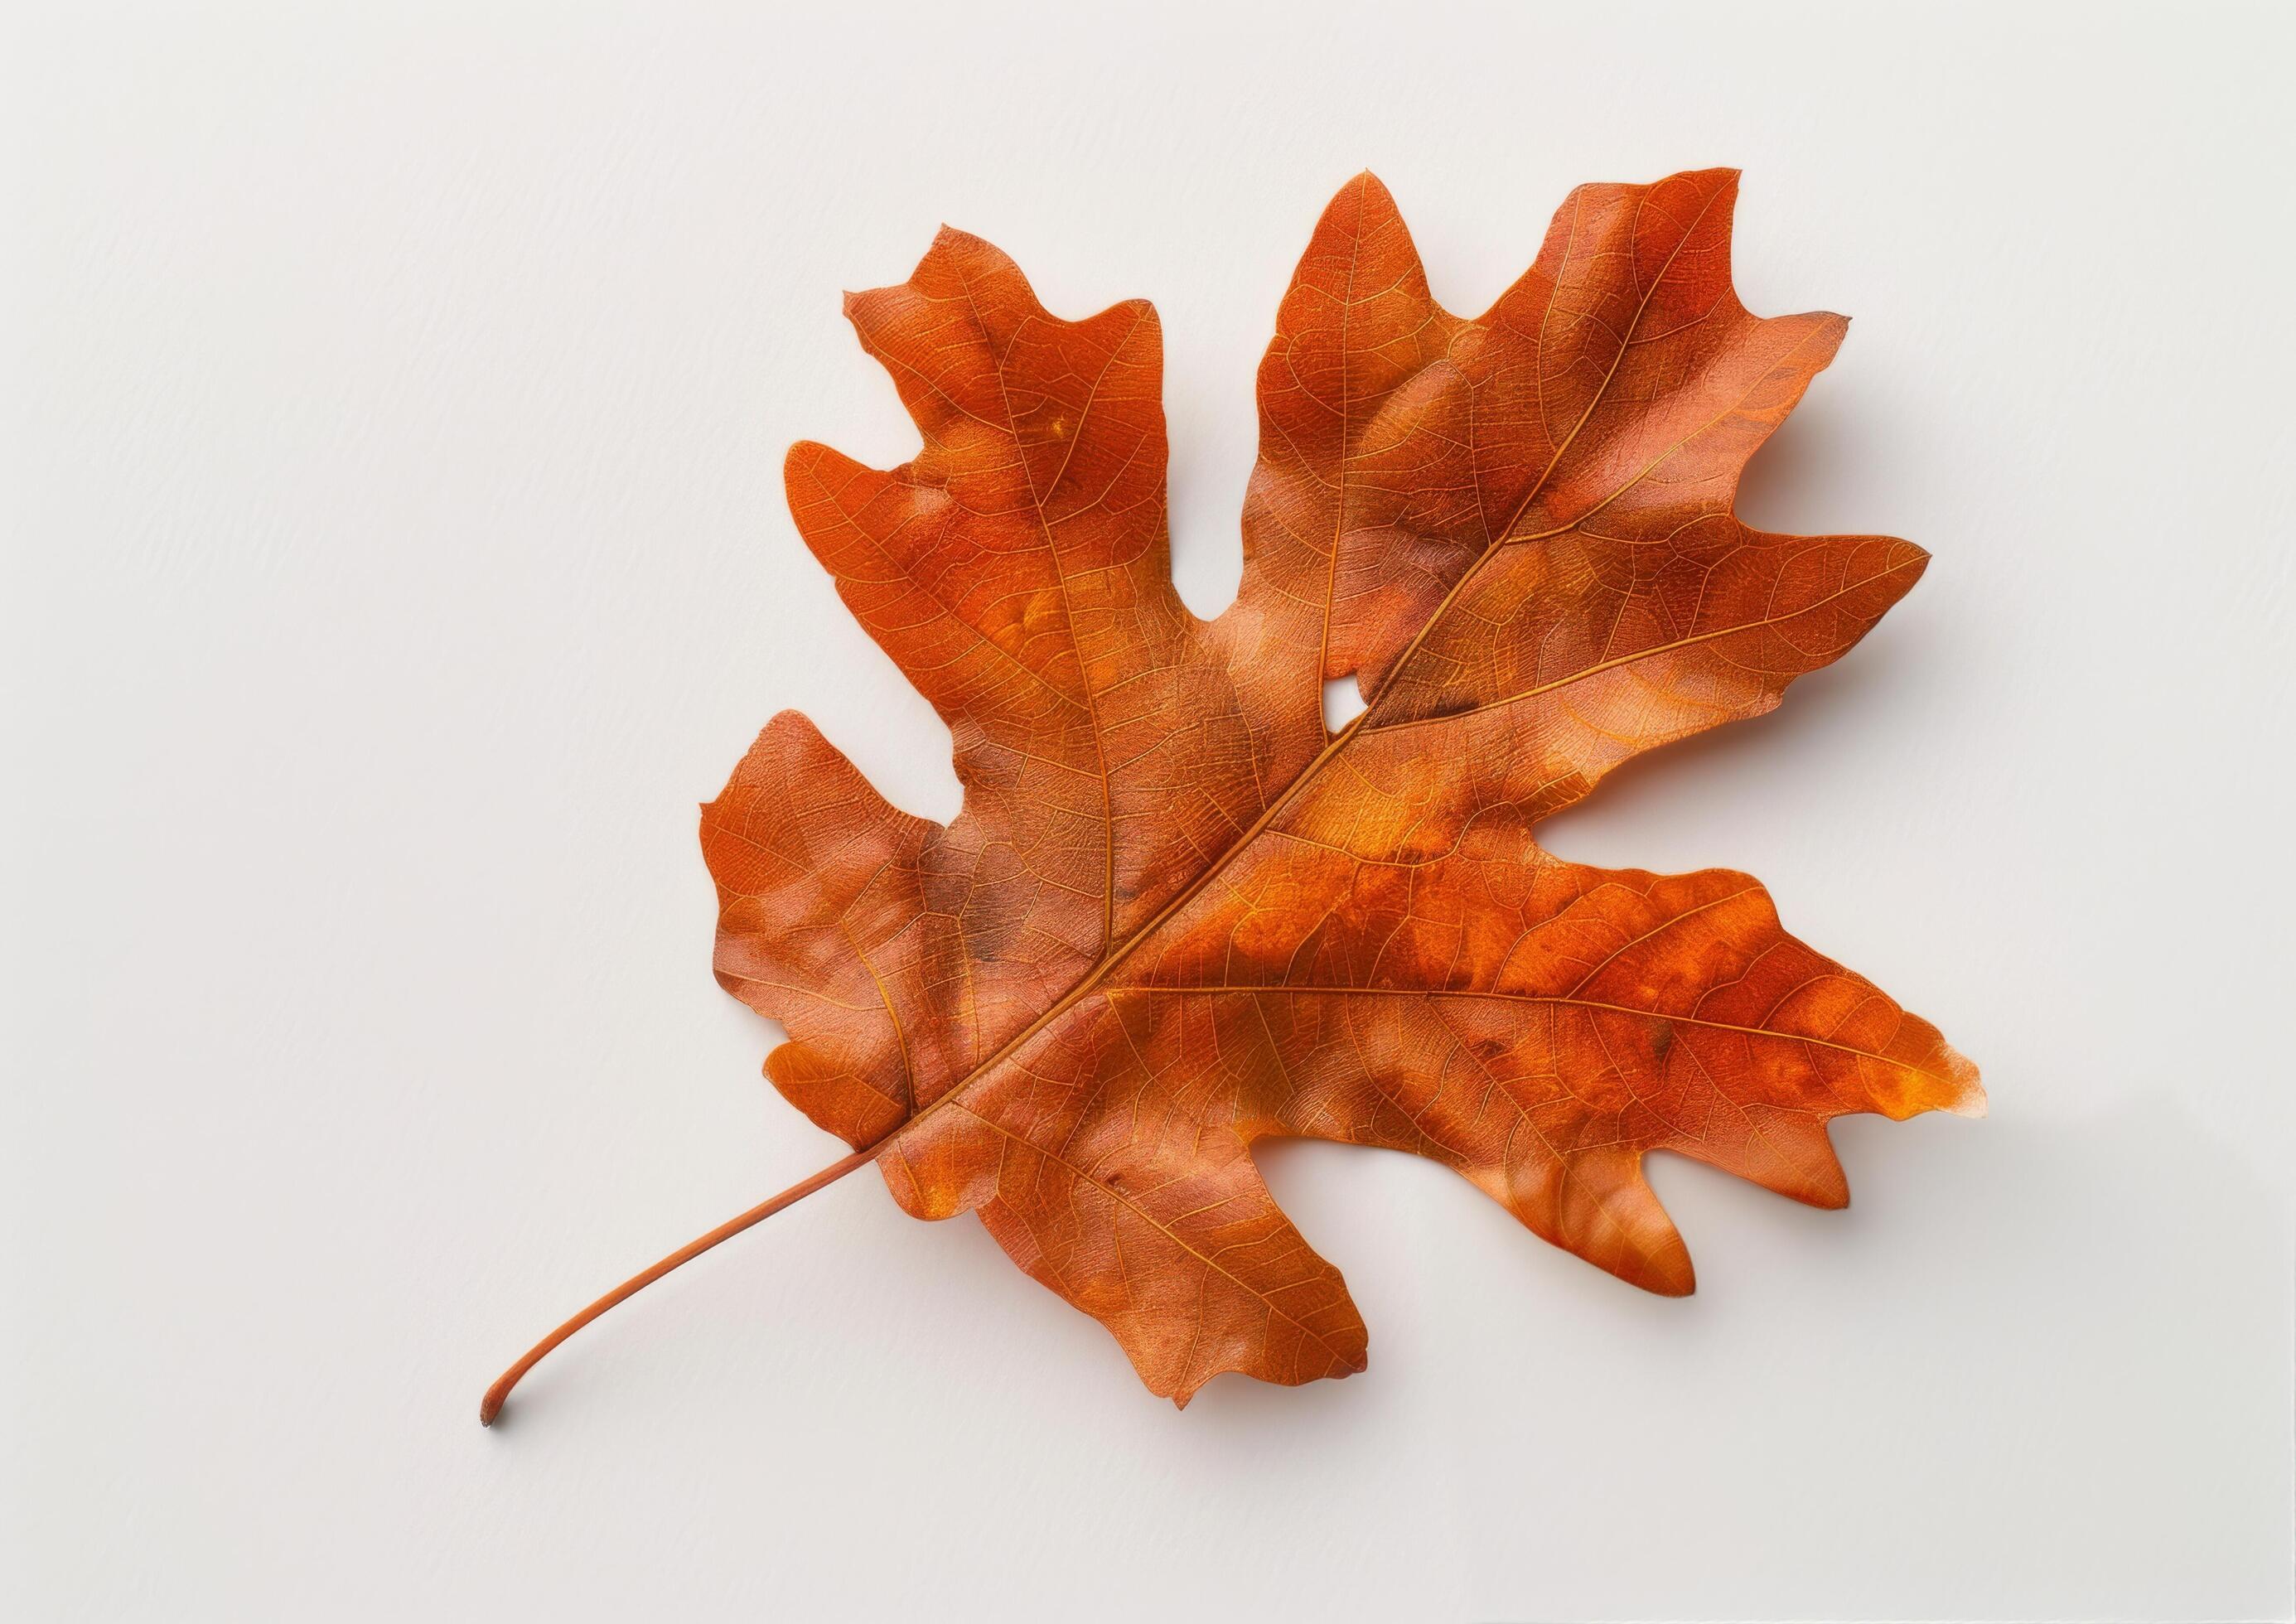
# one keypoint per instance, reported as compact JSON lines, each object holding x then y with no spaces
{"x":395,"y":555}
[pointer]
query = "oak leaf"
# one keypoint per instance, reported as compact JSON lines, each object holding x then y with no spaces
{"x":1178,"y":914}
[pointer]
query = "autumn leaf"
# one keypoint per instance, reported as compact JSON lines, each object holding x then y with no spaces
{"x":1178,"y":914}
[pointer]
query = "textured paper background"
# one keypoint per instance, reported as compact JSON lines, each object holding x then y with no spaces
{"x":395,"y":555}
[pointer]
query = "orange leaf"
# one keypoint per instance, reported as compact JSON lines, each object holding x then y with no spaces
{"x":1178,"y":915}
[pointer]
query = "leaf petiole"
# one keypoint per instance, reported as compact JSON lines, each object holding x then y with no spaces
{"x":491,"y":1405}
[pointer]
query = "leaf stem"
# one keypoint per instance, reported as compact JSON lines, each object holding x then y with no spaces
{"x":491,"y":1405}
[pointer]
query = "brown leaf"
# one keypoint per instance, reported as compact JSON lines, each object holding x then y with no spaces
{"x":1178,"y":915}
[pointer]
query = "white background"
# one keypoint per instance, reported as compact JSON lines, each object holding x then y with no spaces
{"x":395,"y":555}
